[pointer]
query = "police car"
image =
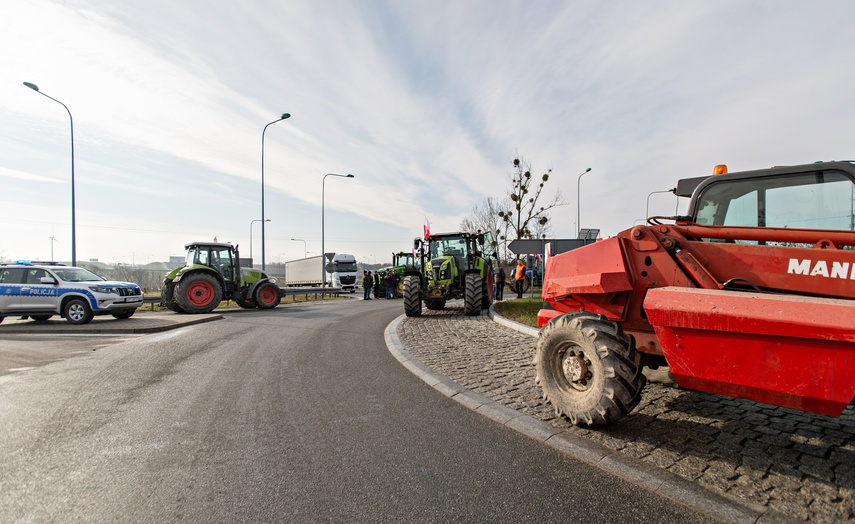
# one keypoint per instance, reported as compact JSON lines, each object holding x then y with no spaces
{"x":40,"y":290}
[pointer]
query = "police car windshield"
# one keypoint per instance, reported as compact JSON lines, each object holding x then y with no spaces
{"x":76,"y":274}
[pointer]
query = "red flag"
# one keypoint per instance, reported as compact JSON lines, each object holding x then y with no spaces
{"x":427,"y":228}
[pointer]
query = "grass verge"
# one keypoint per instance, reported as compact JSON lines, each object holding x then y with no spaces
{"x":522,"y":310}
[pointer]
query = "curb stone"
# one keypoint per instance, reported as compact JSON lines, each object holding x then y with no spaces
{"x":665,"y":483}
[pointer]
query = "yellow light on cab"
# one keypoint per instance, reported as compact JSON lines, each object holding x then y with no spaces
{"x":720,"y":169}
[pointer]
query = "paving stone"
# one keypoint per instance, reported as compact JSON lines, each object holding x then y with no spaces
{"x":799,"y":465}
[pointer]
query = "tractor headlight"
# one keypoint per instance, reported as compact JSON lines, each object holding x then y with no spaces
{"x":272,"y":280}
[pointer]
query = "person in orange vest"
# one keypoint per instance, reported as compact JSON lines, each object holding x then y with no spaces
{"x":519,"y":277}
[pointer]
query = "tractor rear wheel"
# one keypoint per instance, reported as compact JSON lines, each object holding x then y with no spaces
{"x":473,"y":294}
{"x":198,"y":293}
{"x":267,"y":296}
{"x":588,"y":368}
{"x":128,"y":313}
{"x":167,"y":296}
{"x":412,"y":296}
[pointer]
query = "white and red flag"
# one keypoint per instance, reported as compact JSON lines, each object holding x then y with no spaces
{"x":427,"y":228}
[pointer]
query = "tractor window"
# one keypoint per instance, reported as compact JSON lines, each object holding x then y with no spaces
{"x":820,"y":200}
{"x":197,"y":255}
{"x":221,"y":260}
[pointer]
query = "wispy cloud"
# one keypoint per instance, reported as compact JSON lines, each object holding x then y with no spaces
{"x":425,"y":103}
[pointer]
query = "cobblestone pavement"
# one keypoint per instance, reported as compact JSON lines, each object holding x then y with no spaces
{"x":798,"y":465}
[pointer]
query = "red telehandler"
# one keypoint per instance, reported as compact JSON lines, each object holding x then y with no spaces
{"x":750,"y":295}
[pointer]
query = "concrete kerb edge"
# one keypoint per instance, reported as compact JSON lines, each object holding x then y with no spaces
{"x":110,"y":330}
{"x":654,"y":479}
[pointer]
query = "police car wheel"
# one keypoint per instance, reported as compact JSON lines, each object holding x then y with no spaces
{"x":77,"y":311}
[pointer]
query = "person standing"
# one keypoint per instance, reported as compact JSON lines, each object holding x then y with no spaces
{"x":500,"y":282}
{"x":376,"y":284}
{"x":366,"y":285}
{"x":519,"y":277}
{"x":388,"y":280}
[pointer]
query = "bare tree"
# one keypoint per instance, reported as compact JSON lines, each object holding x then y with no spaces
{"x":525,"y":219}
{"x":486,"y":216}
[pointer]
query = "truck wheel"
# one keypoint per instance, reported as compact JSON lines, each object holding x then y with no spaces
{"x":267,"y":296}
{"x":588,"y":369}
{"x":119,"y":315}
{"x":198,"y":293}
{"x":472,"y":294}
{"x":77,"y":311}
{"x":40,"y":318}
{"x":412,"y":296}
{"x":167,"y":296}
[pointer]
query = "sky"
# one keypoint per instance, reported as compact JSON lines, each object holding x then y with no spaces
{"x":426,"y":103}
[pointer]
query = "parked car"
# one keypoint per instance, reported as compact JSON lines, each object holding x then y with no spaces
{"x":40,"y":290}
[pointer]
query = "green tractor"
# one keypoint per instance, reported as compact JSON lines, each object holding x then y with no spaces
{"x":212,"y":273}
{"x":452,"y":266}
{"x":403,"y":263}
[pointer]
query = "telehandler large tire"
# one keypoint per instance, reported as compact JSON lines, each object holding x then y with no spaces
{"x":588,"y":368}
{"x":472,"y":294}
{"x":412,"y":296}
{"x":198,"y":293}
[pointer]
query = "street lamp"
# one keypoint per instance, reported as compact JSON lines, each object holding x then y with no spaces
{"x":281,"y":118}
{"x":579,"y":202}
{"x":251,"y":222}
{"x":647,"y":210}
{"x":323,"y":253}
{"x":35,"y":88}
{"x":304,"y":245}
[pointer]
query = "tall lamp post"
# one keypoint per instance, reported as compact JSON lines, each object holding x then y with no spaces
{"x":35,"y":88}
{"x":323,"y":252}
{"x":304,"y":245}
{"x":281,"y":118}
{"x":251,"y":222}
{"x":647,"y":210}
{"x":579,"y":202}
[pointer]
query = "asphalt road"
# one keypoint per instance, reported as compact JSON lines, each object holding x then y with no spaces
{"x":296,"y":414}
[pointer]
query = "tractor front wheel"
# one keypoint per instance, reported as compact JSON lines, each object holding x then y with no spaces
{"x":198,"y":293}
{"x":267,"y":296}
{"x":167,"y":296}
{"x":412,"y":296}
{"x":588,"y":368}
{"x":473,"y":294}
{"x":244,"y":303}
{"x":487,"y":291}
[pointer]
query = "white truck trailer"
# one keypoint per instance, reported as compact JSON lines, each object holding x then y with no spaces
{"x":303,"y":272}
